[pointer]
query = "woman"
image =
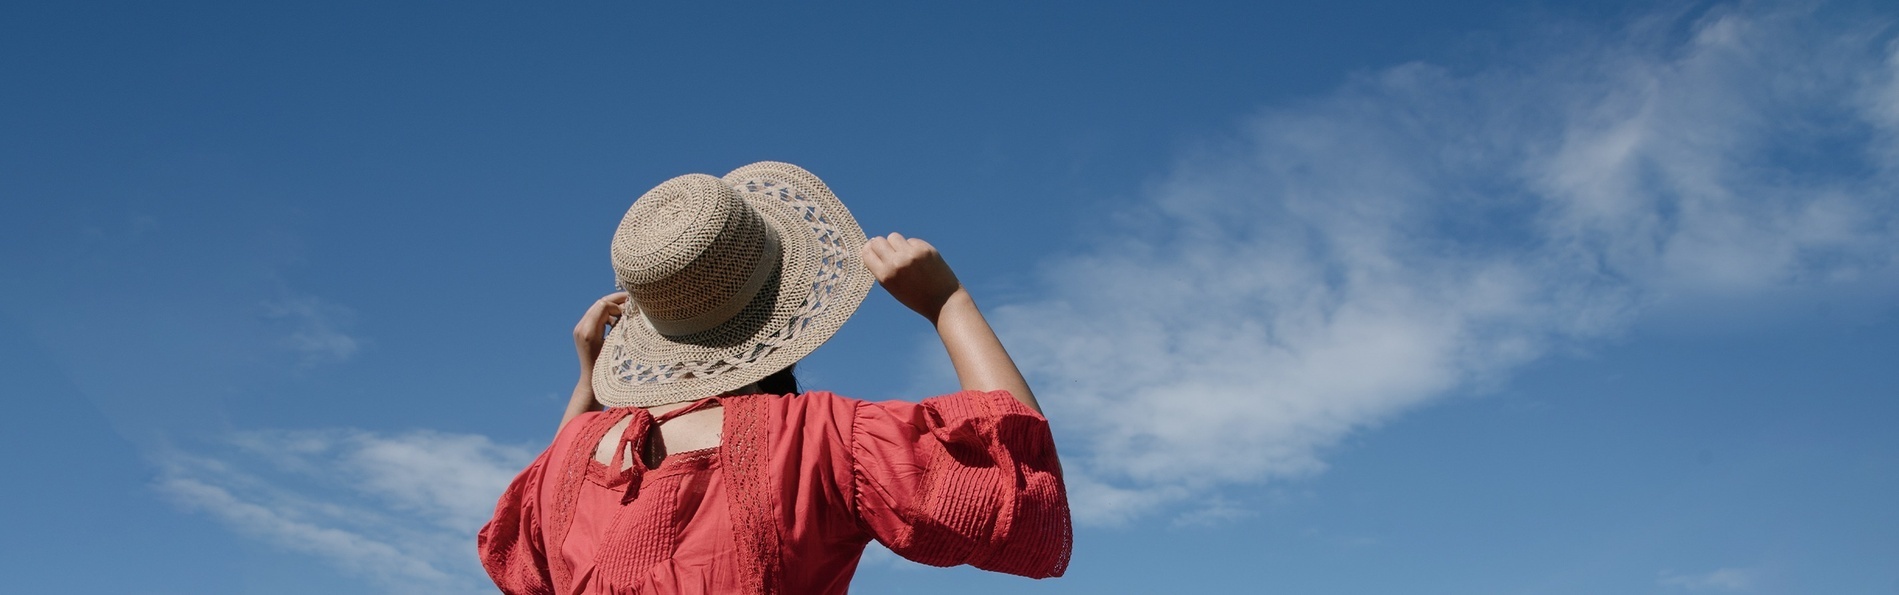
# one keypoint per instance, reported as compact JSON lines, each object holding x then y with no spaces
{"x":688,"y":462}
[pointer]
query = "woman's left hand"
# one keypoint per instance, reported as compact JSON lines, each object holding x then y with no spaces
{"x":591,"y":332}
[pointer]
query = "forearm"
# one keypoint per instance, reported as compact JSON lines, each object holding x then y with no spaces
{"x":977,"y":354}
{"x":589,"y":335}
{"x":581,"y":401}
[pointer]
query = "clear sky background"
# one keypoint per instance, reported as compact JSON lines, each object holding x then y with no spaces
{"x":1354,"y":297}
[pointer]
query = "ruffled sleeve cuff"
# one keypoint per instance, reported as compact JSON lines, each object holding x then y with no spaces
{"x":510,"y":545}
{"x":967,"y":478}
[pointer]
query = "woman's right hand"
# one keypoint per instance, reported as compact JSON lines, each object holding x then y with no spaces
{"x":591,"y":332}
{"x":913,"y":272}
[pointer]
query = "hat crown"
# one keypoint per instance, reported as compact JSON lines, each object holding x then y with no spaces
{"x":689,"y":251}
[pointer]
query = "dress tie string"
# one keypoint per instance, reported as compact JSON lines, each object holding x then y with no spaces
{"x":635,"y":437}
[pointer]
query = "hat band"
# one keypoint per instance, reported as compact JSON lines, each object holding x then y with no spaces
{"x":769,"y":260}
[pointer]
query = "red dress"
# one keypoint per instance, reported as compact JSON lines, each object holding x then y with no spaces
{"x":787,"y":502}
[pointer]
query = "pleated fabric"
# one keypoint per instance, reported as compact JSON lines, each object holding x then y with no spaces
{"x":788,"y":501}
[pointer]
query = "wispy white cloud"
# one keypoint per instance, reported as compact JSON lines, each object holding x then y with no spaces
{"x":1725,"y":579}
{"x":399,"y":510}
{"x":315,"y":330}
{"x":1212,"y":512}
{"x":1422,"y":231}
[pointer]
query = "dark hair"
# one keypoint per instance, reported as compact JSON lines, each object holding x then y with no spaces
{"x":782,"y":382}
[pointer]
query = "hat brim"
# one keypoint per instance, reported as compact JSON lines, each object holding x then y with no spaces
{"x":820,"y":282}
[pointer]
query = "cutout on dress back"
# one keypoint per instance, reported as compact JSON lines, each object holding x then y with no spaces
{"x":693,"y":431}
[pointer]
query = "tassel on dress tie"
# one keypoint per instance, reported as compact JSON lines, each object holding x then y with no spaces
{"x":633,"y":439}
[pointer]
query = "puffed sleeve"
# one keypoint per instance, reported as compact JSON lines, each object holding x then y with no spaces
{"x":968,"y":478}
{"x":510,"y":544}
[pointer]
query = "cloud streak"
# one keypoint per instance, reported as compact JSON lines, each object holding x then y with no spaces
{"x":399,"y":510}
{"x":1422,"y":231}
{"x":1725,"y":579}
{"x":315,"y":329}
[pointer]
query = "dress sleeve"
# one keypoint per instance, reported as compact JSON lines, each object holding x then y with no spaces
{"x":968,"y":478}
{"x":510,"y":544}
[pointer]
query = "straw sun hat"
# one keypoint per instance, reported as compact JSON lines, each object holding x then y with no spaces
{"x":733,"y":278}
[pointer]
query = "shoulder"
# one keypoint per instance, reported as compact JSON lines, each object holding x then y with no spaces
{"x":815,"y":402}
{"x":577,"y":426}
{"x":823,"y":408}
{"x":571,"y":444}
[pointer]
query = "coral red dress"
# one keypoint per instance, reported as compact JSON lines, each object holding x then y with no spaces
{"x":787,"y":502}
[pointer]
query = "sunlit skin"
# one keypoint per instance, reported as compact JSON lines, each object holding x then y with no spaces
{"x":910,"y":269}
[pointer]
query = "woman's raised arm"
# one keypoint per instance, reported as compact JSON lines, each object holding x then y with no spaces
{"x":589,"y":334}
{"x":914,"y":273}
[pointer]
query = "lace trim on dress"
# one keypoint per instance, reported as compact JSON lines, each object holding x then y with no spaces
{"x":745,"y":448}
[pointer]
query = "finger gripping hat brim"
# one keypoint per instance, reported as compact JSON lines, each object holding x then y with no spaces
{"x":817,"y":284}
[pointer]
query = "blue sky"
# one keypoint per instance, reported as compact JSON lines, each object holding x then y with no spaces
{"x":1355,"y":298}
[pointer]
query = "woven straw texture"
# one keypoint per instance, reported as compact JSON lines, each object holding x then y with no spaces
{"x":692,"y":248}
